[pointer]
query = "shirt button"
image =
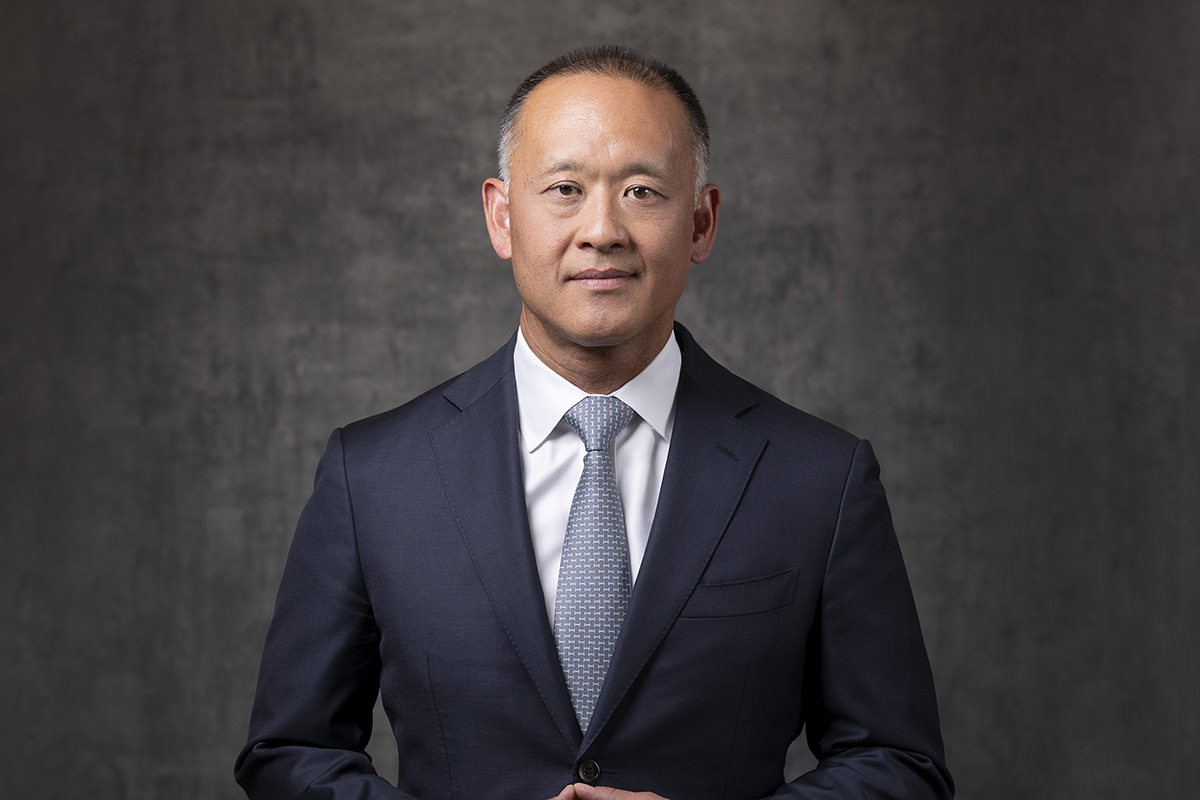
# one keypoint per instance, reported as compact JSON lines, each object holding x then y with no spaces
{"x":589,"y":771}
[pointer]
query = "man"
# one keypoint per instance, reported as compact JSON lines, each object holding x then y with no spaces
{"x":728,"y":573}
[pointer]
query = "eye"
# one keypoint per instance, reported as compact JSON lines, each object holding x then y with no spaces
{"x":641,"y":192}
{"x":564,"y":190}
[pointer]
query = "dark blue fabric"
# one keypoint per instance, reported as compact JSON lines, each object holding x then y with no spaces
{"x":772,"y":596}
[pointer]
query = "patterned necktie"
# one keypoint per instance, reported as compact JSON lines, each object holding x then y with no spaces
{"x":593,"y":579}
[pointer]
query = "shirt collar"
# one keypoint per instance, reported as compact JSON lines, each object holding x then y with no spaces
{"x":543,"y":396}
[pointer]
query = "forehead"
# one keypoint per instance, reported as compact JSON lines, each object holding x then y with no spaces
{"x":589,"y":112}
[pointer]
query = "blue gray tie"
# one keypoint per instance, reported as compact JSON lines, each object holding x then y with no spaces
{"x":593,"y":579}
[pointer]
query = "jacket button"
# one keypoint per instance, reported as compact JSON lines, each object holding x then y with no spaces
{"x":589,"y":771}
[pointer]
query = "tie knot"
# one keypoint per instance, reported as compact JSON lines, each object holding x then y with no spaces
{"x":598,"y":419}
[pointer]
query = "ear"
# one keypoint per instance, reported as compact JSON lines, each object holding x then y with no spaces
{"x":495,"y":211}
{"x":704,"y":223}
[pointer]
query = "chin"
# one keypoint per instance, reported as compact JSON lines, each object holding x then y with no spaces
{"x":599,"y":339}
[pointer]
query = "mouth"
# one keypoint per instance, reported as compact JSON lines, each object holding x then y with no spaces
{"x":602,"y":279}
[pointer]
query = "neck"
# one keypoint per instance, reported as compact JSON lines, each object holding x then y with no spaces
{"x":594,"y":369}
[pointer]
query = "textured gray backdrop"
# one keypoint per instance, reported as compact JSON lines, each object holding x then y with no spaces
{"x":967,"y":231}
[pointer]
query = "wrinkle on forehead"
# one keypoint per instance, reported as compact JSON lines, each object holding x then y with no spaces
{"x":627,"y":126}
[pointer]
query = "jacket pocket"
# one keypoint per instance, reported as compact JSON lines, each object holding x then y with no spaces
{"x":738,"y":598}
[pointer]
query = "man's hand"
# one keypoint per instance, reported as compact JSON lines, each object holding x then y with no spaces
{"x":582,"y":791}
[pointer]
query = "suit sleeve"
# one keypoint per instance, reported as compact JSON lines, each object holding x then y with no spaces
{"x":872,"y":717}
{"x":320,"y":669}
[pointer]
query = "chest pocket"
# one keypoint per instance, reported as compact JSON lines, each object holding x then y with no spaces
{"x":739,"y":598}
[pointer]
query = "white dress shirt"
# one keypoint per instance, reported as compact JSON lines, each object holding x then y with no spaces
{"x":552,"y":453}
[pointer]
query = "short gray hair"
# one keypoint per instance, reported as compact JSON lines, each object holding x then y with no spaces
{"x":613,"y":62}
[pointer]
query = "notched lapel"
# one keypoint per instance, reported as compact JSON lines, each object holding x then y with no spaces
{"x":480,"y":469}
{"x":712,"y":457}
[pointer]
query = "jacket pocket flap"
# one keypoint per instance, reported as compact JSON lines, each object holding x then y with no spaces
{"x":737,"y":598}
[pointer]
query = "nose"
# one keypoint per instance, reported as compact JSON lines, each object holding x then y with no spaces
{"x":601,"y":227}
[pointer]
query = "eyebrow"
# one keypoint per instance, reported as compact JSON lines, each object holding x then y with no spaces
{"x":634,"y":168}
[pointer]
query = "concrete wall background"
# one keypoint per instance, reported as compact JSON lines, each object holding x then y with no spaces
{"x":965,"y":231}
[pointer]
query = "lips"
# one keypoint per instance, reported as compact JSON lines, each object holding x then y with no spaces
{"x":601,"y":274}
{"x":599,"y":280}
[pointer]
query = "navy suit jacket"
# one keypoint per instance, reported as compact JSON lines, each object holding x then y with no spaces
{"x":772,"y":596}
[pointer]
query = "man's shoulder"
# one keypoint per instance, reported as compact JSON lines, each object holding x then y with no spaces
{"x":434,"y":406}
{"x":758,"y":409}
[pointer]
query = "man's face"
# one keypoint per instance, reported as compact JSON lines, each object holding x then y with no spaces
{"x":599,"y":215}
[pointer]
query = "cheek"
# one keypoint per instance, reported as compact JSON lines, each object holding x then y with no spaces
{"x":537,"y":239}
{"x":670,"y":246}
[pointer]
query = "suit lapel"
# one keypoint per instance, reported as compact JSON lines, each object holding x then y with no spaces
{"x":712,"y":457}
{"x":478,"y":461}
